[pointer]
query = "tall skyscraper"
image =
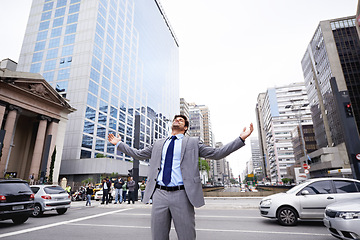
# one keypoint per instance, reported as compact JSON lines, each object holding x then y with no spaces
{"x":256,"y":159}
{"x":333,"y":52}
{"x":283,"y":109}
{"x":117,"y":63}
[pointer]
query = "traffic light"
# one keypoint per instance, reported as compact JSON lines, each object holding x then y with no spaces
{"x":130,"y":172}
{"x":348,"y":109}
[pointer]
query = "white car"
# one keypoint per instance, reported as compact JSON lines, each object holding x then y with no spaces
{"x":308,"y":200}
{"x":342,"y":219}
{"x":50,"y":197}
{"x":99,"y":194}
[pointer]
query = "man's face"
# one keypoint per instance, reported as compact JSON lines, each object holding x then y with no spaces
{"x":179,"y":124}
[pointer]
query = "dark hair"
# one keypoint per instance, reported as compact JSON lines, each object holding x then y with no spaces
{"x":185,"y":119}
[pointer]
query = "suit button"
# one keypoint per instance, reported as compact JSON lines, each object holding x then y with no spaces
{"x":158,"y":168}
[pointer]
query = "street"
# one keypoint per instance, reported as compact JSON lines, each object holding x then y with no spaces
{"x":220,"y":218}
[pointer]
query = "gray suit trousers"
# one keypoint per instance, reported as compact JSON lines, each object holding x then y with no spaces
{"x":174,"y":206}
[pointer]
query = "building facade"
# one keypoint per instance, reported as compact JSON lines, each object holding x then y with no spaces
{"x":33,"y":118}
{"x":284,"y":108}
{"x":117,"y":63}
{"x":333,"y":52}
{"x":257,"y":159}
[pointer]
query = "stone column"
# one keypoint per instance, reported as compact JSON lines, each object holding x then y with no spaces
{"x":38,"y":148}
{"x":52,"y":130}
{"x":10,"y":126}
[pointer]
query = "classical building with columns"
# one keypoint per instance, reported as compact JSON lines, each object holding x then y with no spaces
{"x":33,"y":119}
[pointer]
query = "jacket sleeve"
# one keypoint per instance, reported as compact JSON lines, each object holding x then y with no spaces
{"x":135,"y":153}
{"x":219,"y":153}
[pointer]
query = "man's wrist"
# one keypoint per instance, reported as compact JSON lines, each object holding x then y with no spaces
{"x":243,"y":140}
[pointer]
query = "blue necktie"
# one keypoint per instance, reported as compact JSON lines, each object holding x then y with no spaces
{"x":168,"y":162}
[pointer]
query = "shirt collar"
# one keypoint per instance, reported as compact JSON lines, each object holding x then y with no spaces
{"x":178,"y":136}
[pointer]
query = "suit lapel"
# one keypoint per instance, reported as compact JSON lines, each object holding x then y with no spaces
{"x":183,"y":147}
{"x":161,"y":143}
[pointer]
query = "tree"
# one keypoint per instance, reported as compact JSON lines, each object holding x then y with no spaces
{"x":100,"y":155}
{"x":52,"y":164}
{"x":87,"y":181}
{"x":286,"y":180}
{"x":203,"y":165}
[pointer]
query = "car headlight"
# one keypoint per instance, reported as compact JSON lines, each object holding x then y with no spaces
{"x":348,"y":215}
{"x":265,"y":202}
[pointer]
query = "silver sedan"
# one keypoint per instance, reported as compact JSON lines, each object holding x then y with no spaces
{"x":342,"y":219}
{"x":50,"y":197}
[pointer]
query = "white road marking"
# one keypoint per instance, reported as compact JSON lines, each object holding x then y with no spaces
{"x":59,"y":223}
{"x":207,"y":230}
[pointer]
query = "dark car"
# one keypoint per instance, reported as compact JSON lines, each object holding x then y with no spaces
{"x":16,"y":200}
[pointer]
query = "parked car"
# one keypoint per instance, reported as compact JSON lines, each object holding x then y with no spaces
{"x":16,"y":200}
{"x":342,"y":219}
{"x":50,"y":197}
{"x":99,"y":194}
{"x":308,"y":200}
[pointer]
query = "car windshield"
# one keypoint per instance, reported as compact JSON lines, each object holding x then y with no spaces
{"x":297,"y":188}
{"x":14,"y":188}
{"x":54,"y":190}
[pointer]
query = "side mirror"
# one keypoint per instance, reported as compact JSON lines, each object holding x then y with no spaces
{"x":305,"y":192}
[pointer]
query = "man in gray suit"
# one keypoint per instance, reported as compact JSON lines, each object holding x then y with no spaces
{"x":174,"y":182}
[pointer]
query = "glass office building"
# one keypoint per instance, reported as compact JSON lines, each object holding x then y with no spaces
{"x":117,"y":63}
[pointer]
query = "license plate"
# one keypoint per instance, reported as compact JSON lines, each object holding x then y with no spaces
{"x":18,"y":207}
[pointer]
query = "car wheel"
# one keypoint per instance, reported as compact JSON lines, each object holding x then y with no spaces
{"x":37,"y":211}
{"x":287,"y":216}
{"x":20,"y":219}
{"x":61,"y":211}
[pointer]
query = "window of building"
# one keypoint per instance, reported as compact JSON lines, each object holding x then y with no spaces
{"x":71,"y":28}
{"x":45,"y":16}
{"x":87,"y":141}
{"x":42,"y":35}
{"x":67,"y":50}
{"x":52,"y":53}
{"x":58,"y":22}
{"x":44,"y":25}
{"x":48,"y":6}
{"x":64,"y":74}
{"x":74,"y":8}
{"x":72,"y":18}
{"x":37,"y":57}
{"x":35,"y":67}
{"x":60,"y":12}
{"x":50,"y":65}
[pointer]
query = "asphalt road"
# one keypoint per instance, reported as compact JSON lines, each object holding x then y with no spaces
{"x":220,"y":218}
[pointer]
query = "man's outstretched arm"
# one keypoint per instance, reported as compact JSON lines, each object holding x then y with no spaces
{"x":219,"y":153}
{"x":135,"y":153}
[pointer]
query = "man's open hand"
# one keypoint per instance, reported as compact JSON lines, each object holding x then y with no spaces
{"x":246,"y":132}
{"x":114,"y":140}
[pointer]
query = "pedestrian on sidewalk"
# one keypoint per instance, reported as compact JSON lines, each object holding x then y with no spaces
{"x":124,"y":188}
{"x":131,"y":193}
{"x":118,"y":190}
{"x":174,"y":181}
{"x":106,"y":185}
{"x":142,"y":189}
{"x":89,"y":193}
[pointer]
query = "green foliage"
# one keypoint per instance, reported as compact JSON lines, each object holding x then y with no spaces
{"x":286,"y":180}
{"x":203,"y":165}
{"x":88,"y":180}
{"x":52,"y":164}
{"x":233,"y":181}
{"x":100,"y":155}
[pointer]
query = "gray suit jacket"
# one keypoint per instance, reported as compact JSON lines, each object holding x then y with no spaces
{"x":192,"y":148}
